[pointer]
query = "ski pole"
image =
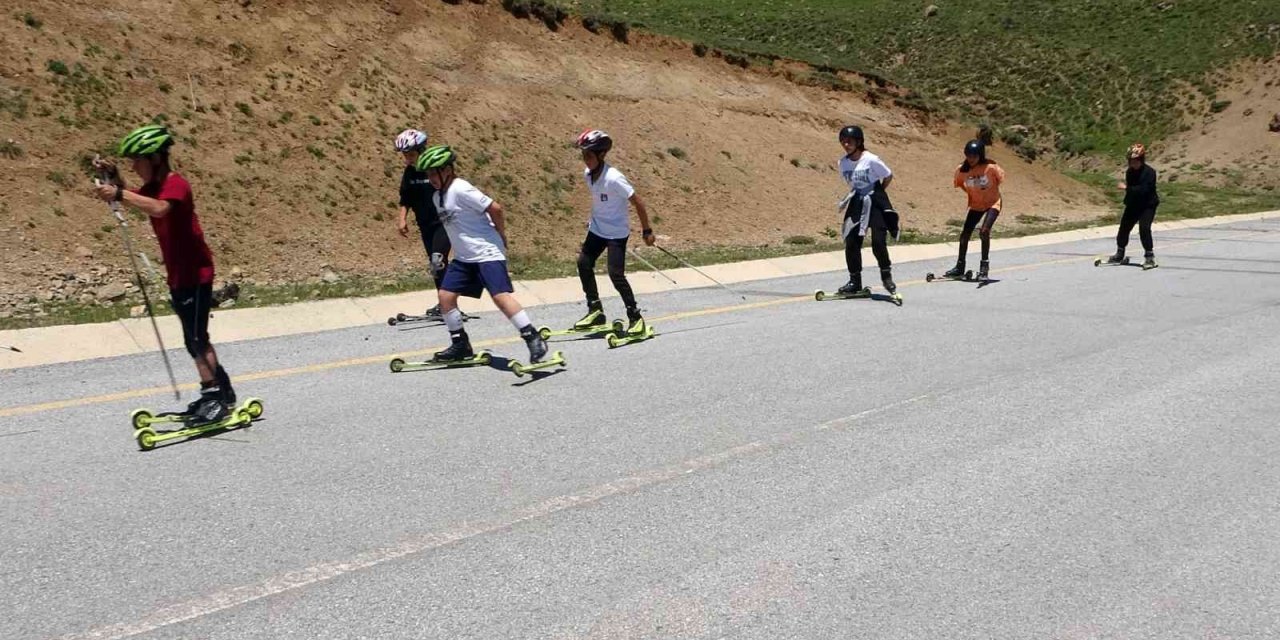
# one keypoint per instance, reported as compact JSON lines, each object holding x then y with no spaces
{"x":146,"y":298}
{"x":700,"y":271}
{"x":13,"y":349}
{"x":652,"y":268}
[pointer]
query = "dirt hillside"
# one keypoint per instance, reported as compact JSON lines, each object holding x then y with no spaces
{"x":286,"y":112}
{"x":1234,"y":144}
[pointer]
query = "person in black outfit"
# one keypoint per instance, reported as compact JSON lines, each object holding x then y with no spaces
{"x":1140,"y":202}
{"x":415,"y":194}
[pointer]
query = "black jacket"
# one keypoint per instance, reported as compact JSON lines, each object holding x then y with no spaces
{"x":1140,"y":188}
{"x":415,"y":193}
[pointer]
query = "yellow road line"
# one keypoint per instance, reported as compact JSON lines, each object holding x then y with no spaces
{"x":354,"y":362}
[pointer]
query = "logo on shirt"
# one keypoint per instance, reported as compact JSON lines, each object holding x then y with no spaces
{"x":977,"y":182}
{"x":604,"y":197}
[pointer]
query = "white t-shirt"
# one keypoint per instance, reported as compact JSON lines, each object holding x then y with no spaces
{"x":863,"y":175}
{"x":471,"y":232}
{"x":610,"y":196}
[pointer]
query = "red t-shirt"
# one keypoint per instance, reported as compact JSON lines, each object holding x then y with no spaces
{"x":187,"y":258}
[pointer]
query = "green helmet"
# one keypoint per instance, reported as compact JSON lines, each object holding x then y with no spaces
{"x":145,"y":141}
{"x":436,"y":157}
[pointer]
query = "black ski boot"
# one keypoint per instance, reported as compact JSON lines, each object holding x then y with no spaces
{"x":956,"y":272}
{"x":984,"y":268}
{"x":228,"y":392}
{"x":209,"y":408}
{"x":851,"y":288}
{"x":537,"y":346}
{"x":459,"y":350}
{"x":433,"y":314}
{"x":1149,"y":262}
{"x":886,"y":279}
{"x":1117,"y":258}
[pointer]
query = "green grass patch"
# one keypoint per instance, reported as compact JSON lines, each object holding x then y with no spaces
{"x":1070,"y":66}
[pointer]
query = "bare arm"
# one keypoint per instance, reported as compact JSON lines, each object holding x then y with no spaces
{"x":498,"y":216}
{"x":150,"y":206}
{"x":885,"y":183}
{"x":643,"y":214}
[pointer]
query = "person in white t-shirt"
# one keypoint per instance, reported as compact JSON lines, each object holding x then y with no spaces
{"x":477,"y":231}
{"x":609,"y":228}
{"x":866,"y":209}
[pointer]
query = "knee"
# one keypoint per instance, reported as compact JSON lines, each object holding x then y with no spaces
{"x":617,"y":273}
{"x":984,"y":233}
{"x":585,"y":263}
{"x":197,"y":345}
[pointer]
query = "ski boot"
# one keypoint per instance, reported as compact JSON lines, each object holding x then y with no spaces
{"x":538,"y":358}
{"x":1149,"y":262}
{"x":1115,"y":260}
{"x":638,"y":331}
{"x":886,"y":279}
{"x":593,"y":323}
{"x":458,"y":351}
{"x":209,"y":409}
{"x":433,"y":314}
{"x":594,"y":318}
{"x":955,"y":273}
{"x":224,"y":382}
{"x":851,"y":289}
{"x":984,"y":269}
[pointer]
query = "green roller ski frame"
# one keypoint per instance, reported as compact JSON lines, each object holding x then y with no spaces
{"x":620,"y":339}
{"x":148,"y":436}
{"x":617,"y":327}
{"x":400,"y":365}
{"x":556,"y":360}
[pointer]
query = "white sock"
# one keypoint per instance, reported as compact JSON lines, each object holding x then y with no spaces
{"x":453,"y":320}
{"x":521,"y":320}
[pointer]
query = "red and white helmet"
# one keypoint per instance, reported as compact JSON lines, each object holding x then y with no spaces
{"x":1136,"y":150}
{"x":594,"y":140}
{"x":411,"y":140}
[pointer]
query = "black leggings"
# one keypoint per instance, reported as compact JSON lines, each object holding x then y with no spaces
{"x":971,"y":223}
{"x":1142,"y":218}
{"x":436,"y":242}
{"x":192,"y":305}
{"x":879,"y":247}
{"x":592,"y":247}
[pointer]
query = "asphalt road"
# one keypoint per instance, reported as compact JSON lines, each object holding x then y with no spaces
{"x":1068,"y":452}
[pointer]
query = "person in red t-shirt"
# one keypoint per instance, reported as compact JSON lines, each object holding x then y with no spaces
{"x":165,"y":197}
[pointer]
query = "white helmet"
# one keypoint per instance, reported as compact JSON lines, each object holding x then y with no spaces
{"x":411,"y":140}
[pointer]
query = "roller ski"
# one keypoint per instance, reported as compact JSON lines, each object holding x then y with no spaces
{"x":852,"y":290}
{"x":1117,"y":260}
{"x":432,"y":315}
{"x":594,"y":324}
{"x":538,"y":359}
{"x":148,"y":430}
{"x":956,"y":273}
{"x":639,"y":331}
{"x":458,"y":354}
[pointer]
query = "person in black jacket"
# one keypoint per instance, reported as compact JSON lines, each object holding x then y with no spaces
{"x":1140,"y":202}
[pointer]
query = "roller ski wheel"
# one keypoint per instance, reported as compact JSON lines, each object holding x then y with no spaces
{"x":400,"y":365}
{"x":621,"y":339}
{"x":862,"y":294}
{"x":896,"y":298}
{"x":520,"y":369}
{"x":148,"y":436}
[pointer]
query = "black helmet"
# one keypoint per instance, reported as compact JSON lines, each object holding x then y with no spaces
{"x":976,"y":148}
{"x":853,"y":132}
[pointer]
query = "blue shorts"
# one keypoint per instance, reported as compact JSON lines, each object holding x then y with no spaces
{"x":470,"y":278}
